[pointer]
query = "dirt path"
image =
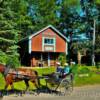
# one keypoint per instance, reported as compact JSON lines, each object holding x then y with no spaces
{"x":79,"y":93}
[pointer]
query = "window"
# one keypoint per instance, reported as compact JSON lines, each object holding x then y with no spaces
{"x":48,"y":41}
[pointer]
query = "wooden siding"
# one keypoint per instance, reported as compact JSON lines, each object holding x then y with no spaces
{"x":60,"y":43}
{"x":37,"y":43}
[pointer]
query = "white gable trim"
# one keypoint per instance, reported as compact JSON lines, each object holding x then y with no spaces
{"x":49,"y":26}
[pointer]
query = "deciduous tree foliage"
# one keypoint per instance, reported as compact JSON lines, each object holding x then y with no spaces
{"x":92,"y":12}
{"x":43,"y":13}
{"x":72,"y":22}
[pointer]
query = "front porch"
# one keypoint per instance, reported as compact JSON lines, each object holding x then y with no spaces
{"x":44,"y":58}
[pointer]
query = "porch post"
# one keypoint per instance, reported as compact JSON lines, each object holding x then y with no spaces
{"x":41,"y":57}
{"x":42,"y":64}
{"x":48,"y":59}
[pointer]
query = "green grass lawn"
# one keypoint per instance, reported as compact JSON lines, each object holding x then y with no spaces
{"x":92,"y":78}
{"x":2,"y":82}
{"x":44,"y":70}
{"x":89,"y":80}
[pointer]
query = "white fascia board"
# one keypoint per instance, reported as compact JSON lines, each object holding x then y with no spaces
{"x":49,"y":26}
{"x":38,"y":32}
{"x":57,"y":31}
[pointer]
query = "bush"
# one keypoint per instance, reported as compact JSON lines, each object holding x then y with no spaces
{"x":83,"y":70}
{"x":98,"y":65}
{"x":74,"y":69}
{"x":62,"y":59}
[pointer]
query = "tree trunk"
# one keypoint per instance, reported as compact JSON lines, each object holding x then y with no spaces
{"x":79,"y":56}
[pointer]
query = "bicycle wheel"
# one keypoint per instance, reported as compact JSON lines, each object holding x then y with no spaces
{"x":65,"y":87}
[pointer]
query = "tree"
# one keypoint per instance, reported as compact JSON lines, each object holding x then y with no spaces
{"x":69,"y":16}
{"x":43,"y":13}
{"x":19,"y":19}
{"x":91,"y":12}
{"x":73,"y":23}
{"x":98,"y":26}
{"x":24,"y":21}
{"x":62,"y":59}
{"x":80,"y":48}
{"x":70,"y":21}
{"x":8,"y":33}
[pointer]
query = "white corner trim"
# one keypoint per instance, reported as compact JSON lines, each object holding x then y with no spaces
{"x":42,"y":43}
{"x":30,"y":45}
{"x":66,"y":48}
{"x":54,"y":44}
{"x":48,"y":59}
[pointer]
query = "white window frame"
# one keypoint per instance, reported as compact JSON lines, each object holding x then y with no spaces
{"x":45,"y":44}
{"x":49,"y":38}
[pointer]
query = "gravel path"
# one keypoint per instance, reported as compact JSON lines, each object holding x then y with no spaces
{"x":79,"y":93}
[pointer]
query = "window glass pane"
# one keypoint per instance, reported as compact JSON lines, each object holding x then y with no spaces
{"x":48,"y":41}
{"x":45,"y":41}
{"x":51,"y":41}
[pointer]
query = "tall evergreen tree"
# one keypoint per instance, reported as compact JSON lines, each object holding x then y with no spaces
{"x":24,"y":21}
{"x":8,"y":34}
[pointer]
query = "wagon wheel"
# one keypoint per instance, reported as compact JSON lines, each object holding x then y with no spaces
{"x":65,"y":87}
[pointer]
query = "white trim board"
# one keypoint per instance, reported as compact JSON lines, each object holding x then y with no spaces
{"x":49,"y":26}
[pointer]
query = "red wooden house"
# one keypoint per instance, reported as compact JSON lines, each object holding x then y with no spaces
{"x":43,"y":47}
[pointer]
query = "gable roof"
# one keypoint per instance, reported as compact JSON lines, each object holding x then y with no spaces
{"x":49,"y":26}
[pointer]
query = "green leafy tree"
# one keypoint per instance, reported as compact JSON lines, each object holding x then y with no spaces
{"x":97,"y":42}
{"x":68,"y":16}
{"x":62,"y":59}
{"x":70,"y":21}
{"x":91,"y":10}
{"x":43,"y":13}
{"x":81,"y":48}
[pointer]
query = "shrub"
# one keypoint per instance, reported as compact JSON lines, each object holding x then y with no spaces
{"x":83,"y":70}
{"x":74,"y":69}
{"x":98,"y":65}
{"x":62,"y":58}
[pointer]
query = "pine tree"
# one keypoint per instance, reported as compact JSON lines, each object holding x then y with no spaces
{"x":8,"y":34}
